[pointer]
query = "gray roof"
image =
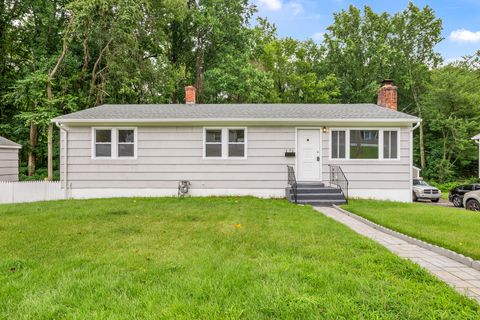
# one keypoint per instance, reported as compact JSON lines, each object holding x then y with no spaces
{"x":238,"y":112}
{"x":5,"y":143}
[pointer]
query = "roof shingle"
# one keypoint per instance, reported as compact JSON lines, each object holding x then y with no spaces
{"x":238,"y":112}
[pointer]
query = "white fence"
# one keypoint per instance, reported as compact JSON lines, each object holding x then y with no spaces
{"x":30,"y":191}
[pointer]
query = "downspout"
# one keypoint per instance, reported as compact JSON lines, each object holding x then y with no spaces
{"x":411,"y":158}
{"x":62,"y":128}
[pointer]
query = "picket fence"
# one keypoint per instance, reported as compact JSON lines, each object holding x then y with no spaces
{"x":30,"y":191}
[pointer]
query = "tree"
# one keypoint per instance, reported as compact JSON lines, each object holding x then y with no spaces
{"x":237,"y":80}
{"x":452,"y":113}
{"x":296,"y":68}
{"x":358,"y":52}
{"x":416,"y":33}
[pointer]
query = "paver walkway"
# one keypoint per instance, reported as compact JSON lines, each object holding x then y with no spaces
{"x":464,"y":279}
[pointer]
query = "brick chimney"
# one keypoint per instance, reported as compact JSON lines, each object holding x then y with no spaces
{"x":387,"y":95}
{"x":190,"y":93}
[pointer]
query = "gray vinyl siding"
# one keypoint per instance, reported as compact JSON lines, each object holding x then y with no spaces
{"x":8,"y":164}
{"x":166,"y":155}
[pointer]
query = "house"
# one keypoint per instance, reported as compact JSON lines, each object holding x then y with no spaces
{"x":146,"y":150}
{"x":8,"y":160}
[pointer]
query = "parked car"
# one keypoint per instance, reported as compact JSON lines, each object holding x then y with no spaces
{"x":424,"y":191}
{"x":471,"y":200}
{"x":455,"y":195}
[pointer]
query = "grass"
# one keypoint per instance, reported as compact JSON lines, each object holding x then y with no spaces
{"x":204,"y":258}
{"x":451,"y":228}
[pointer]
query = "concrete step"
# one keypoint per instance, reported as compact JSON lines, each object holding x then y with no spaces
{"x":320,"y":196}
{"x":321,"y":203}
{"x":310,"y":185}
{"x":326,"y":190}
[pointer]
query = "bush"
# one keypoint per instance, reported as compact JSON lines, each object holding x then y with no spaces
{"x":447,"y":186}
{"x":40,"y":174}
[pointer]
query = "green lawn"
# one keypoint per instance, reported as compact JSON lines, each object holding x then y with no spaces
{"x":204,"y":258}
{"x":450,"y":228}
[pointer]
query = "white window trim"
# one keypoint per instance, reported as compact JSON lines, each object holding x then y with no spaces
{"x":225,"y":143}
{"x":347,"y":144}
{"x":114,"y":131}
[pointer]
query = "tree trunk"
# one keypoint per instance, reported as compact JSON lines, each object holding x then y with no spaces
{"x":199,"y":67}
{"x":422,"y":147}
{"x":51,"y":75}
{"x":421,"y":137}
{"x":32,"y":159}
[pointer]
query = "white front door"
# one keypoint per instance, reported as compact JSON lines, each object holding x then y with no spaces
{"x":308,"y":149}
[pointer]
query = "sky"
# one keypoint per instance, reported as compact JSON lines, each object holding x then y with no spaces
{"x":303,"y":19}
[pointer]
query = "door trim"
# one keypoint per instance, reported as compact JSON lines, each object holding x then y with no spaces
{"x":320,"y":140}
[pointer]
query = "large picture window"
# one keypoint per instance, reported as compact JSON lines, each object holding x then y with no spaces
{"x":114,"y":143}
{"x":225,"y":143}
{"x":364,"y":144}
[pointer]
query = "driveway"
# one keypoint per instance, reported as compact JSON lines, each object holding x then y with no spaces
{"x":442,"y":203}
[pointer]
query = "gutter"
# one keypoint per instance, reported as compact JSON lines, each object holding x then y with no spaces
{"x":64,"y":129}
{"x":286,"y":121}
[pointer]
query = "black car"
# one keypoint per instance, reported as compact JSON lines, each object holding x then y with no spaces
{"x":455,"y":195}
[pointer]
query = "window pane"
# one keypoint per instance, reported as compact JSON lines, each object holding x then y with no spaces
{"x":103,"y":135}
{"x":334,"y":144}
{"x":394,"y":144}
{"x":342,"y":143}
{"x":103,"y":150}
{"x":213,"y":150}
{"x":214,"y":135}
{"x":126,"y":136}
{"x":390,"y":144}
{"x":236,"y":150}
{"x":364,"y":144}
{"x":338,"y":144}
{"x":236,"y":135}
{"x":126,"y":150}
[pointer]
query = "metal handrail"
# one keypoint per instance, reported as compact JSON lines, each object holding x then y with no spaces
{"x":292,"y":181}
{"x":338,"y":178}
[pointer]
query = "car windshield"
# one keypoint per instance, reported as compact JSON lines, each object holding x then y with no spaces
{"x":418,"y":182}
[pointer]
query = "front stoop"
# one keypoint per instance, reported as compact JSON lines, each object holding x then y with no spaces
{"x":316,"y":194}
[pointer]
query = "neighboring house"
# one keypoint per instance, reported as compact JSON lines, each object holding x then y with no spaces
{"x":477,"y":140}
{"x":9,"y":160}
{"x":145,"y":150}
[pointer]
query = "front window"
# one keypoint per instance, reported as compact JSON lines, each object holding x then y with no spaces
{"x":358,"y":144}
{"x":338,"y":144}
{"x":390,"y":144}
{"x":236,"y":143}
{"x":126,"y":143}
{"x":113,"y":143}
{"x":213,"y":144}
{"x":364,"y":144}
{"x":103,"y":143}
{"x":225,"y":143}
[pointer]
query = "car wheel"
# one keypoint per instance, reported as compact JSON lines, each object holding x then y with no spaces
{"x":473,"y":205}
{"x":434,"y":200}
{"x":414,"y":197}
{"x":457,"y":202}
